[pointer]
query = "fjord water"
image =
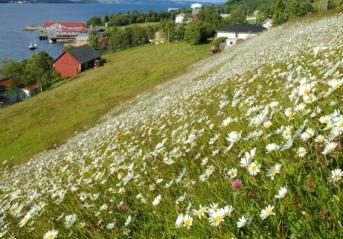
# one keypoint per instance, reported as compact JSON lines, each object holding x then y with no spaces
{"x":14,"y":40}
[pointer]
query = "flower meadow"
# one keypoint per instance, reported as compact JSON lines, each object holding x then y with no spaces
{"x":252,"y":149}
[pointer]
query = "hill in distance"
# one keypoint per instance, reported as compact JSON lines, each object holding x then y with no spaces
{"x":50,"y":1}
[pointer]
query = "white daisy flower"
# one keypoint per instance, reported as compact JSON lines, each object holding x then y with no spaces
{"x":254,"y":169}
{"x":70,"y":220}
{"x":329,"y":147}
{"x":216,"y":217}
{"x":25,"y":219}
{"x":128,"y":221}
{"x":179,"y":221}
{"x":319,"y":139}
{"x":272,"y":147}
{"x":267,"y":212}
{"x":200,"y":213}
{"x":232,"y":173}
{"x":157,"y":200}
{"x":273,"y":171}
{"x":110,"y":226}
{"x":248,"y":157}
{"x":282,"y":193}
{"x":336,"y":175}
{"x":227,"y":121}
{"x":242,"y":221}
{"x":187,"y":221}
{"x":287,"y":132}
{"x":52,"y":234}
{"x":234,"y":137}
{"x":267,"y":124}
{"x":301,"y":152}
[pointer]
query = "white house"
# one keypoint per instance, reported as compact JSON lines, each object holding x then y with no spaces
{"x":173,"y":9}
{"x":196,"y":7}
{"x":225,"y":15}
{"x":180,"y":18}
{"x":268,"y":23}
{"x":10,"y":94}
{"x":236,"y":32}
{"x":183,"y":18}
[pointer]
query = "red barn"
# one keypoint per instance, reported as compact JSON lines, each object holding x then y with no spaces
{"x":76,"y":60}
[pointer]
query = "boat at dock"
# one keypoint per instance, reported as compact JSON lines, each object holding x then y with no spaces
{"x":33,"y":46}
{"x":31,"y":28}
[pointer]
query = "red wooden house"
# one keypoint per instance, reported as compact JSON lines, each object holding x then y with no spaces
{"x":76,"y":60}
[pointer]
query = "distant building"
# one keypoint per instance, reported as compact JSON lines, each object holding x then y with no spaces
{"x":173,"y":9}
{"x":62,"y":31}
{"x":236,"y":32}
{"x":72,"y":25}
{"x":80,"y":40}
{"x":196,"y":7}
{"x":225,"y":15}
{"x":268,"y":23}
{"x":10,"y":94}
{"x":76,"y":60}
{"x":180,"y":18}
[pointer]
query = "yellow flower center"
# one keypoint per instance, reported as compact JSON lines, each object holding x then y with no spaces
{"x":187,"y":222}
{"x":274,"y":171}
{"x":269,"y":212}
{"x":218,"y":218}
{"x":50,"y":236}
{"x":253,"y":167}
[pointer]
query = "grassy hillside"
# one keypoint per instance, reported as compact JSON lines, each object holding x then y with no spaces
{"x":50,"y":118}
{"x":251,"y":150}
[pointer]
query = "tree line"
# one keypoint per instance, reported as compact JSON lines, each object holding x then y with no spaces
{"x":129,"y":18}
{"x":38,"y":69}
{"x":208,"y":21}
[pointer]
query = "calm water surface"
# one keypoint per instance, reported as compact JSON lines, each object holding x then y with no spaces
{"x":14,"y":17}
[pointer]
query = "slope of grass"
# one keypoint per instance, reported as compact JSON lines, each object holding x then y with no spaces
{"x":252,"y":150}
{"x":50,"y":118}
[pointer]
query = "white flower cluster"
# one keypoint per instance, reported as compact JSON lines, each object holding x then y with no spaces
{"x":265,"y":121}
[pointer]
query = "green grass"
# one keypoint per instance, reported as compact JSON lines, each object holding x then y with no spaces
{"x":144,"y":24}
{"x":183,"y":152}
{"x":332,"y":3}
{"x":52,"y":117}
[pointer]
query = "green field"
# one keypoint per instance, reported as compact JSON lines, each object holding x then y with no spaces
{"x":52,"y":117}
{"x":144,"y":24}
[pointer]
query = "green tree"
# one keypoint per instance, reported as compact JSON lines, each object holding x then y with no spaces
{"x":296,"y":8}
{"x":95,"y":21}
{"x":180,"y":32}
{"x":67,"y":47}
{"x":93,"y":40}
{"x":138,"y":35}
{"x":169,"y":29}
{"x":11,"y":68}
{"x":279,"y":15}
{"x":197,"y":32}
{"x":265,"y":11}
{"x":210,"y":15}
{"x":37,"y":69}
{"x":237,"y":15}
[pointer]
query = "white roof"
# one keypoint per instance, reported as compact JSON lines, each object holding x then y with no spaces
{"x":196,"y":5}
